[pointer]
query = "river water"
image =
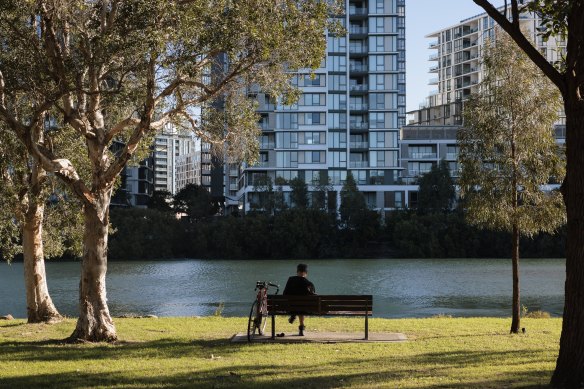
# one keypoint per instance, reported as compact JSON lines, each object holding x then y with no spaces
{"x":400,"y":288}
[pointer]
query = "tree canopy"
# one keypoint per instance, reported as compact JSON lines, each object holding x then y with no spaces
{"x":436,"y":191}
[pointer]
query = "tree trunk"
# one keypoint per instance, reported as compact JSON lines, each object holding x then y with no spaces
{"x":515,"y":323}
{"x":95,"y":323}
{"x":39,"y":305}
{"x":569,"y":371}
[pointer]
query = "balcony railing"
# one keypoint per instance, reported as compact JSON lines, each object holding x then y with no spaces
{"x":267,"y":145}
{"x":358,"y":68}
{"x":358,"y":164}
{"x":233,"y":172}
{"x":359,"y":125}
{"x":358,"y":30}
{"x":233,"y":187}
{"x":359,"y":145}
{"x":423,"y":155}
{"x":358,"y":11}
{"x":359,"y":87}
{"x":358,"y":107}
{"x":358,"y":49}
{"x":417,"y":173}
{"x":451,"y":155}
{"x":433,"y":57}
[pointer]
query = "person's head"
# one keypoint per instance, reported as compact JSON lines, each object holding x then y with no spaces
{"x":302,"y":270}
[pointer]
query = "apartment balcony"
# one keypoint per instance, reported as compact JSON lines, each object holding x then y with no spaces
{"x":433,"y":57}
{"x":434,"y":69}
{"x":359,"y":145}
{"x":361,"y":68}
{"x":359,"y":87}
{"x":423,"y":155}
{"x":267,"y":146}
{"x":233,"y":187}
{"x":358,"y":50}
{"x":233,"y":172}
{"x":359,"y":125}
{"x":358,"y":107}
{"x":261,"y":164}
{"x":433,"y":45}
{"x":358,"y":11}
{"x":358,"y":30}
{"x":453,"y":156}
{"x":433,"y":81}
{"x":358,"y":164}
{"x":417,"y":173}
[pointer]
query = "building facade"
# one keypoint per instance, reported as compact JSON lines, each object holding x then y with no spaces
{"x":188,"y":170}
{"x":457,"y":69}
{"x":169,"y":146}
{"x":347,"y":118}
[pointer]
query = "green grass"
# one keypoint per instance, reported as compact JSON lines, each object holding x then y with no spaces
{"x":196,"y":352}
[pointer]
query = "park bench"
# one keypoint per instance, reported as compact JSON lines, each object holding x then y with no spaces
{"x":321,"y":305}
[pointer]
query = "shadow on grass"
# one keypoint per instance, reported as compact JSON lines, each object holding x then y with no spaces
{"x":249,"y":376}
{"x":389,"y":370}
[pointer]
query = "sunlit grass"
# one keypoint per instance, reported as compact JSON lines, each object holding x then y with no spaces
{"x":196,"y":352}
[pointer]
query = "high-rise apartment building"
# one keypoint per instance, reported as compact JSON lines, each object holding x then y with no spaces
{"x":348,"y":117}
{"x":457,"y":69}
{"x":168,"y":146}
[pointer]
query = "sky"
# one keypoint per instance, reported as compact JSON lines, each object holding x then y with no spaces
{"x":424,"y":17}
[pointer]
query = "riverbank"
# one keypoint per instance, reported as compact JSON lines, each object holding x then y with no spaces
{"x":196,"y":352}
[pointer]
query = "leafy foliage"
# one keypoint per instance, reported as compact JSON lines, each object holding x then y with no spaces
{"x":507,"y":149}
{"x":195,"y":201}
{"x":436,"y":191}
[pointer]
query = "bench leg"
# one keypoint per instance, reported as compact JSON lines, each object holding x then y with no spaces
{"x":273,"y":327}
{"x":367,"y":325}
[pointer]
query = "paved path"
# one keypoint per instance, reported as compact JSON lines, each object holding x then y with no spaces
{"x":327,"y":337}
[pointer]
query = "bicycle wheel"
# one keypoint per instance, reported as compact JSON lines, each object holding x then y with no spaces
{"x":253,"y":325}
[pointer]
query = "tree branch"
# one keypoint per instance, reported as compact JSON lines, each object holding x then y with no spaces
{"x":514,"y":31}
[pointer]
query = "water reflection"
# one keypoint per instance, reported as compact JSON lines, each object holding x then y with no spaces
{"x":401,"y":288}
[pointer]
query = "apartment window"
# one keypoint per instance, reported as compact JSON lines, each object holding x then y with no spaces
{"x":377,"y":120}
{"x":383,"y":82}
{"x":382,"y":24}
{"x":382,"y":43}
{"x":385,"y":139}
{"x":383,"y":63}
{"x":312,"y":138}
{"x":308,"y":80}
{"x":338,"y":158}
{"x":312,"y":118}
{"x":312,"y":177}
{"x":338,"y":82}
{"x":312,"y":99}
{"x":419,"y":168}
{"x":287,"y":120}
{"x":422,"y":151}
{"x":337,"y":101}
{"x":337,"y":120}
{"x":312,"y":157}
{"x":360,"y":176}
{"x":286,"y":175}
{"x":287,"y":159}
{"x":287,"y":140}
{"x":337,"y":63}
{"x":337,"y":177}
{"x":337,"y":140}
{"x":337,"y":44}
{"x":376,"y":177}
{"x":383,"y":158}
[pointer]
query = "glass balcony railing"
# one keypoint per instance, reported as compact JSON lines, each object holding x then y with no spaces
{"x":359,"y":145}
{"x":359,"y":87}
{"x":359,"y":125}
{"x":358,"y":164}
{"x":358,"y":107}
{"x":423,"y":155}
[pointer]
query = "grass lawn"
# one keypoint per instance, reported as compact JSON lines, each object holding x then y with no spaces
{"x":196,"y":352}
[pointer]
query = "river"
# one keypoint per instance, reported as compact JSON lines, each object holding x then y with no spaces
{"x":400,"y":288}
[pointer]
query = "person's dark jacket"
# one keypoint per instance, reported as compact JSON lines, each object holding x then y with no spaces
{"x":299,"y":286}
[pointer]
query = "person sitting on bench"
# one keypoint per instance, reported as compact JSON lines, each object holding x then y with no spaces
{"x":299,"y":285}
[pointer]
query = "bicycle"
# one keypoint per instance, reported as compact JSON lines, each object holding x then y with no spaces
{"x":258,"y":315}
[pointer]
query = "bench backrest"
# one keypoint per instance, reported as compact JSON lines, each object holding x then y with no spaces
{"x":321,"y":304}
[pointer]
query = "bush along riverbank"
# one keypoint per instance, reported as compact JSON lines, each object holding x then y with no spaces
{"x":196,"y":352}
{"x":307,"y":233}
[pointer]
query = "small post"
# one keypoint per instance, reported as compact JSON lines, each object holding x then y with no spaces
{"x":366,"y":321}
{"x":273,"y":327}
